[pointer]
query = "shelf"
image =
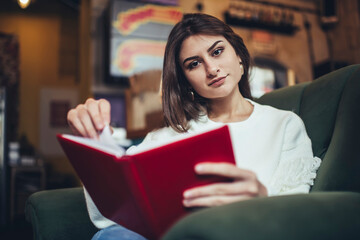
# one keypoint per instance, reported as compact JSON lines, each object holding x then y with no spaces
{"x":285,"y":29}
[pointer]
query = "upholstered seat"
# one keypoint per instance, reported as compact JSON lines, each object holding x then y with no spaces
{"x":330,"y":109}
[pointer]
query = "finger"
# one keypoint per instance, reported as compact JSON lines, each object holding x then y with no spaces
{"x":87,"y":123}
{"x":74,"y":131}
{"x":105,"y":110}
{"x":250,"y":188}
{"x":77,"y":128}
{"x":224,"y":169}
{"x":93,"y":110}
{"x":75,"y":124}
{"x":212,"y":201}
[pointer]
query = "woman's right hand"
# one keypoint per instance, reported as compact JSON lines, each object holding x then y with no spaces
{"x":90,"y":118}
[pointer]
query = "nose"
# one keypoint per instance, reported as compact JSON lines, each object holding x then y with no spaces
{"x":211,"y":69}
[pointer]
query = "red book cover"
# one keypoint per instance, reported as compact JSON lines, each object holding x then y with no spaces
{"x":144,"y":191}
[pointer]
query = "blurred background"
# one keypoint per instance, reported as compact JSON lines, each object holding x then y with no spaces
{"x":54,"y":54}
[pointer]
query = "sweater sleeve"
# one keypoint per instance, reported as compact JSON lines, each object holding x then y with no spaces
{"x":297,"y":167}
{"x":96,"y":217}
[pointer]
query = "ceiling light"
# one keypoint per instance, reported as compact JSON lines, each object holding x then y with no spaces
{"x":23,"y":3}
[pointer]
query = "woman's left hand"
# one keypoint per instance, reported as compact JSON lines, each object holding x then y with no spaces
{"x":245,"y":186}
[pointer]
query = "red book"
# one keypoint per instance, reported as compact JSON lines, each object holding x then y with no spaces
{"x":144,"y":192}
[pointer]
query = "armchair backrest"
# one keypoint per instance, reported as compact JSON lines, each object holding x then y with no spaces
{"x":330,"y":109}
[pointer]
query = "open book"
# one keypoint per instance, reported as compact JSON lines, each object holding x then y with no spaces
{"x":144,"y":191}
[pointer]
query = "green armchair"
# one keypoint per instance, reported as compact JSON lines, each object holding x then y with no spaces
{"x":330,"y":109}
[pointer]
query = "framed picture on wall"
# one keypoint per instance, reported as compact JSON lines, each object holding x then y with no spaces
{"x":54,"y":105}
{"x":138,"y":33}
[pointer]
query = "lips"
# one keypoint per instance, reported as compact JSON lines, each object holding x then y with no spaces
{"x":218,"y":81}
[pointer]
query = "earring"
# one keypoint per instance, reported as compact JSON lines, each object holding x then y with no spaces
{"x":191,"y":93}
{"x":240,"y":64}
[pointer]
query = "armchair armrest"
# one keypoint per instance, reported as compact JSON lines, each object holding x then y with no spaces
{"x":59,"y":214}
{"x":321,"y":215}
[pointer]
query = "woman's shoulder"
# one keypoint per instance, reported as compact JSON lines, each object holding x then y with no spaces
{"x":276,"y":112}
{"x":278,"y":117}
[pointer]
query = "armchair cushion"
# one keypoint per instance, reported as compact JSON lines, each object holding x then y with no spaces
{"x":329,"y":107}
{"x":59,"y":214}
{"x":326,"y":215}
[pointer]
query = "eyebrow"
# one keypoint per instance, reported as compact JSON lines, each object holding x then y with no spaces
{"x":213,"y":46}
{"x":209,"y":49}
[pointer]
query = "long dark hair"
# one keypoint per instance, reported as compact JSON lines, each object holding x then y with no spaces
{"x":179,"y":108}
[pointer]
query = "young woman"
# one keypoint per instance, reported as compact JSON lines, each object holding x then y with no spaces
{"x":206,"y":84}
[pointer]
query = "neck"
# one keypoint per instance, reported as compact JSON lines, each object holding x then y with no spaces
{"x":234,"y":108}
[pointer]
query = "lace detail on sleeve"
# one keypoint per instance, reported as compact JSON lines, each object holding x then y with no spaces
{"x":294,"y":176}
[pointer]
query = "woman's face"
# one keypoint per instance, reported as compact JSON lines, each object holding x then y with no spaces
{"x":211,"y":65}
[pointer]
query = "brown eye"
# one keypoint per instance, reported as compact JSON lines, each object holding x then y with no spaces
{"x":193,"y":64}
{"x":218,"y":51}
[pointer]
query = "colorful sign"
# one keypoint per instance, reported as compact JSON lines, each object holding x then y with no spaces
{"x":138,"y":36}
{"x":130,"y":20}
{"x":132,"y":52}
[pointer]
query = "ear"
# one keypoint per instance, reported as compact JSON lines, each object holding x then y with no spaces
{"x":241,"y":68}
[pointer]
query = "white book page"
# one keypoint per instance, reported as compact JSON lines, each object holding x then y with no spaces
{"x":162,"y":142}
{"x":105,"y":143}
